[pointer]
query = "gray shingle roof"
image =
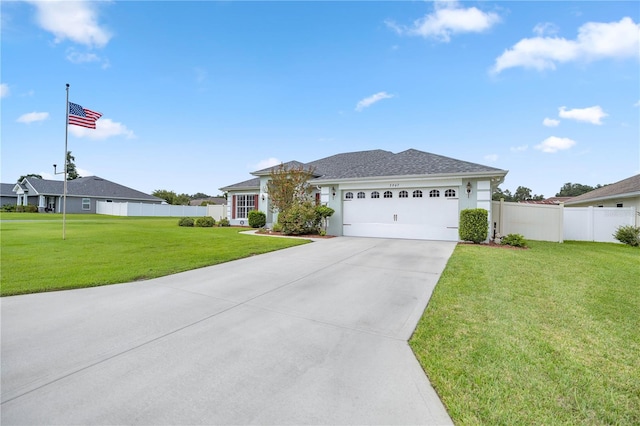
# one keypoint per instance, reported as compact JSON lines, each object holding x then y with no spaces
{"x":247,"y":184}
{"x":374,"y":163}
{"x":625,"y":188}
{"x":90,"y":186}
{"x":6,"y":189}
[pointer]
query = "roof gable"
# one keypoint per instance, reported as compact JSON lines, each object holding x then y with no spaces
{"x":624,"y":188}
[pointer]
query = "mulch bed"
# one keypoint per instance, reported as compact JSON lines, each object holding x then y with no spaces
{"x":495,"y":245}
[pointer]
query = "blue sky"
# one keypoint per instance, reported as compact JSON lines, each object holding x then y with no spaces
{"x":196,"y":95}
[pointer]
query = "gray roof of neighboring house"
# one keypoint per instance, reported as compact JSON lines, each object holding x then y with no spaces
{"x":6,"y":189}
{"x":90,"y":186}
{"x":374,"y":163}
{"x":629,"y":187}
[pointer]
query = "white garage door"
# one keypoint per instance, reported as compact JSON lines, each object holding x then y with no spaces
{"x":424,"y":214}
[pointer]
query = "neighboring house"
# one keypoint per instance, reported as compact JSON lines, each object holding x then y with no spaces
{"x":211,"y":200}
{"x":625,"y":193}
{"x":550,"y":201}
{"x":82,"y":194}
{"x":8,"y":196}
{"x":411,"y":194}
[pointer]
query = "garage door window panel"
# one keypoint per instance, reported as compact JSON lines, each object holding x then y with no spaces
{"x":434,"y":193}
{"x":388,"y":194}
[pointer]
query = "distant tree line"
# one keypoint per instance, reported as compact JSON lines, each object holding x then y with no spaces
{"x":181,"y":199}
{"x":523,"y":193}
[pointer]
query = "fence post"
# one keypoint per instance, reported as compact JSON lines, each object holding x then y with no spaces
{"x":561,"y":223}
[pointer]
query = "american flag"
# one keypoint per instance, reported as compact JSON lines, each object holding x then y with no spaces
{"x":82,"y":117}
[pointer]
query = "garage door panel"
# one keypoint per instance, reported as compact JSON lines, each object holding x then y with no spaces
{"x":431,"y":218}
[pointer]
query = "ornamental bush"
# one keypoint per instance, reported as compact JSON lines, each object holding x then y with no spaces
{"x":474,"y":225}
{"x":205,"y":222}
{"x":299,"y":219}
{"x":257,"y":219}
{"x":514,"y":240}
{"x":628,"y":235}
{"x":224,"y":222}
{"x":185,"y":221}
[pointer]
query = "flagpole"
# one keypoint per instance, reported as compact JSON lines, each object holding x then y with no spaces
{"x":66,"y":138}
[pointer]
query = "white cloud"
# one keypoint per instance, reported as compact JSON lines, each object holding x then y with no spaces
{"x":595,"y":41}
{"x":4,"y":90}
{"x":448,"y":19}
{"x":550,"y":122}
{"x":32,"y":117}
{"x":637,"y":104}
{"x":545,"y":28}
{"x":519,"y":148}
{"x":592,"y":115}
{"x":263,"y":164}
{"x":105,"y":128}
{"x":76,"y":57}
{"x":367,"y":102}
{"x":73,"y":20}
{"x":491,"y":158}
{"x":554,"y":144}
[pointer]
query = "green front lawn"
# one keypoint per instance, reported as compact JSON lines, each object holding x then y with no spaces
{"x":102,"y":250}
{"x":544,"y":336}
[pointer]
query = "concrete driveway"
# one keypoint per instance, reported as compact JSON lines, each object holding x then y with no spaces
{"x":315,"y":334}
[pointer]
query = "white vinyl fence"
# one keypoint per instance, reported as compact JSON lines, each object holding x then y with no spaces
{"x":558,"y":223}
{"x":145,"y":209}
{"x":596,"y":223}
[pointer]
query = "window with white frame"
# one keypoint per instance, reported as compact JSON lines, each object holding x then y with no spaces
{"x":388,"y":194}
{"x":349,"y":196}
{"x":244,"y":204}
{"x":375,"y":194}
{"x":434,"y":193}
{"x":86,"y":204}
{"x":403,"y":194}
{"x":417,"y":194}
{"x":361,"y":194}
{"x":450,"y":193}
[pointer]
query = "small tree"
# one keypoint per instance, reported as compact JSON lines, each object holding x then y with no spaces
{"x":287,"y":186}
{"x":72,"y":173}
{"x":33,"y":175}
{"x":474,"y":225}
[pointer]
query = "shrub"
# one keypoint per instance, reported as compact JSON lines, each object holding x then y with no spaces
{"x":185,"y":221}
{"x":9,"y":208}
{"x":299,"y":219}
{"x":474,"y":225}
{"x":257,"y":219}
{"x":205,"y":222}
{"x":324,"y":213}
{"x":277,"y":227}
{"x":628,"y":235}
{"x":514,"y":240}
{"x":224,"y":222}
{"x":27,"y":209}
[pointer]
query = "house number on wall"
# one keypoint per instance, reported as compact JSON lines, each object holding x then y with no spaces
{"x":394,"y":185}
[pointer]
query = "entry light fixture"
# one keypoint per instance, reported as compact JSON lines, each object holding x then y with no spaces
{"x":468,"y":189}
{"x":262,"y":197}
{"x":333,"y":191}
